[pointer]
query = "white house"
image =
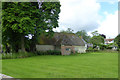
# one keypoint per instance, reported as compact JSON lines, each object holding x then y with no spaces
{"x":108,"y":41}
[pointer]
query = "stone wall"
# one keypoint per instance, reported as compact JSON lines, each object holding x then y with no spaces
{"x":44,"y":47}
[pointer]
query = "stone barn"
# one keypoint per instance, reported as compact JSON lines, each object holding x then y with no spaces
{"x":67,"y":43}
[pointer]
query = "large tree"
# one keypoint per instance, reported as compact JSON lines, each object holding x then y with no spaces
{"x":95,"y":33}
{"x":69,"y":30}
{"x":97,"y":40}
{"x":117,"y":41}
{"x":84,"y":35}
{"x":104,"y":36}
{"x":20,"y":19}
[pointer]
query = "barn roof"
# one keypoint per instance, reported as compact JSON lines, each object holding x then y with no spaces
{"x":64,"y":39}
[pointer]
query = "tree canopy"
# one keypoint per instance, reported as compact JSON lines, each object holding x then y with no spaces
{"x":69,"y":30}
{"x":97,"y":40}
{"x":117,"y":41}
{"x":104,"y":36}
{"x":20,"y":19}
{"x":84,"y":35}
{"x":95,"y":33}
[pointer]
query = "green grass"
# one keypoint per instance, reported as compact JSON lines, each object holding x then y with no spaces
{"x":90,"y":65}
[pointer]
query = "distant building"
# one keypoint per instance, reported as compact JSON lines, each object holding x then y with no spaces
{"x":67,"y":43}
{"x":108,"y":41}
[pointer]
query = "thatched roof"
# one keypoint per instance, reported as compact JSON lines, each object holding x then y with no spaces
{"x":64,"y":39}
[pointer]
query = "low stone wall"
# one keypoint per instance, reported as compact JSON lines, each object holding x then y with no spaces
{"x":44,"y":47}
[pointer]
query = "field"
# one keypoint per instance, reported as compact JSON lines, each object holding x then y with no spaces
{"x":89,"y":65}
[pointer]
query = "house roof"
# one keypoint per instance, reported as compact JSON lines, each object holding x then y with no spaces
{"x":109,"y":39}
{"x":65,"y":39}
{"x":68,"y":39}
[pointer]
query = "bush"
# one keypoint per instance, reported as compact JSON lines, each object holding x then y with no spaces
{"x":28,"y":54}
{"x":109,"y":48}
{"x":103,"y":46}
{"x":49,"y":52}
{"x":16,"y":55}
{"x":90,"y":49}
{"x":118,"y":49}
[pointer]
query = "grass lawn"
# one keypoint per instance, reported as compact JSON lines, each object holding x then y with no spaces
{"x":89,"y":65}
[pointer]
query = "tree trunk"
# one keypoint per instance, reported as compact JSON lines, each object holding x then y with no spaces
{"x":33,"y":44}
{"x":22,"y":43}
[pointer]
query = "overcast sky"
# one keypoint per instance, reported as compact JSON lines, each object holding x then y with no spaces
{"x":89,"y":15}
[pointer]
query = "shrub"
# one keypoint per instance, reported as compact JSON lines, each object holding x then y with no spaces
{"x":28,"y":54}
{"x":103,"y":46}
{"x":16,"y":55}
{"x":109,"y":48}
{"x":49,"y":52}
{"x":118,"y":49}
{"x":90,"y":49}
